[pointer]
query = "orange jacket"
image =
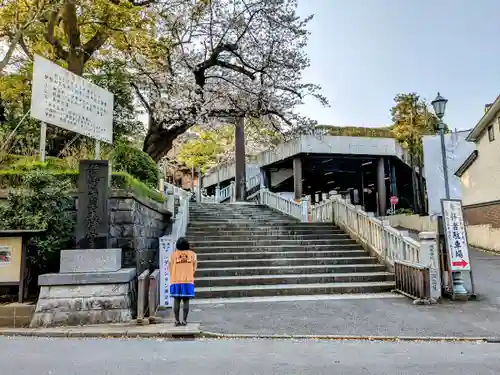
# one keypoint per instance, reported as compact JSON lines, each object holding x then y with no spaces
{"x":182,"y":266}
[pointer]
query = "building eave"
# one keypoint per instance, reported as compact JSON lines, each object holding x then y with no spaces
{"x":484,"y":121}
{"x":467,"y":163}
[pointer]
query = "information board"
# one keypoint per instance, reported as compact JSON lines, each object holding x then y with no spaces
{"x":71,"y":102}
{"x":455,"y":234}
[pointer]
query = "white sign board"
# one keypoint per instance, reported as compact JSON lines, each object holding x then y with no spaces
{"x":455,"y":234}
{"x":68,"y":101}
{"x":166,"y":248}
{"x":457,"y":150}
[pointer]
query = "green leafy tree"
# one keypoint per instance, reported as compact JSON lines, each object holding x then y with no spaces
{"x":42,"y":203}
{"x":209,"y":147}
{"x":411,"y":120}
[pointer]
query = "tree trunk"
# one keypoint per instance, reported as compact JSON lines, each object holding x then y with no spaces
{"x":423,"y":196}
{"x":158,"y":142}
{"x":76,"y":62}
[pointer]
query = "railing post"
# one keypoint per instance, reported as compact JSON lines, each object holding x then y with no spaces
{"x":233,"y":192}
{"x":304,"y":206}
{"x":385,"y":244}
{"x":429,"y":257}
{"x":262,"y":192}
{"x":359,"y":224}
{"x":217,"y":194}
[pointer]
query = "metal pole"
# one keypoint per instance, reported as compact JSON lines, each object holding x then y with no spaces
{"x":43,"y":140}
{"x":97,"y":150}
{"x":445,"y":161}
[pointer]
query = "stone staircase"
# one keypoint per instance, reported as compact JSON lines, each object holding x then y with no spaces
{"x":248,"y":250}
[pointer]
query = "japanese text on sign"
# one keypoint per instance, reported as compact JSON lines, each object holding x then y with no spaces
{"x":456,"y":237}
{"x":68,"y":101}
{"x":166,"y":248}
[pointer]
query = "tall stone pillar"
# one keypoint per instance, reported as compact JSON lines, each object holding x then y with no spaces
{"x":240,"y":167}
{"x":381,"y":189}
{"x":297,"y":177}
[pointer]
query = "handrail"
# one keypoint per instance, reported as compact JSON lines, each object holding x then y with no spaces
{"x":389,"y":243}
{"x":253,"y":181}
{"x":284,"y":205}
{"x":177,"y":190}
{"x":225,"y":193}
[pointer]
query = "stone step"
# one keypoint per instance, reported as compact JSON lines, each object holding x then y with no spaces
{"x":249,"y":218}
{"x":293,"y":289}
{"x":275,"y":248}
{"x":231,"y":263}
{"x":281,"y":254}
{"x":256,"y":237}
{"x":197,"y":244}
{"x":260,"y":225}
{"x":293,"y":279}
{"x":289,"y":270}
{"x":231,"y":210}
{"x":263,"y":231}
{"x":241,"y":223}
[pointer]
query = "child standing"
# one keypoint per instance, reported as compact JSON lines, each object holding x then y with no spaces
{"x":182,"y":267}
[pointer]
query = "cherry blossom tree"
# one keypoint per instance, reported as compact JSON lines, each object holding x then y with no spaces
{"x":225,"y":59}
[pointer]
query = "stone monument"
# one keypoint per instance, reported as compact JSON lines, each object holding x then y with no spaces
{"x":91,"y":287}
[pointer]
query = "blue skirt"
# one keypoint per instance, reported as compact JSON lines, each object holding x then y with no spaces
{"x":185,"y":290}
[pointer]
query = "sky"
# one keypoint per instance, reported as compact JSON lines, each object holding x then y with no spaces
{"x":364,"y":52}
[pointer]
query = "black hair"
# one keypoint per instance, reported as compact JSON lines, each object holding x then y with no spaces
{"x":182,"y":244}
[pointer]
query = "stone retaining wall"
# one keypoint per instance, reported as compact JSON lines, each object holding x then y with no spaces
{"x":135,"y":226}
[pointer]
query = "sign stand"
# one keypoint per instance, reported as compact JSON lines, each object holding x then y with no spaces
{"x":97,"y":150}
{"x":394,"y":202}
{"x":457,"y":246}
{"x":43,"y":141}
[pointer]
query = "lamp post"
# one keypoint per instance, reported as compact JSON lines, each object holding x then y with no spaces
{"x":439,"y":105}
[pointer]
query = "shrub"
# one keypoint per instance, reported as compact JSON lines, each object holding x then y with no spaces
{"x":42,"y":203}
{"x":136,"y":163}
{"x":119,"y":180}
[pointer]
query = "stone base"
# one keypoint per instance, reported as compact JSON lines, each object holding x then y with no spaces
{"x":74,"y":299}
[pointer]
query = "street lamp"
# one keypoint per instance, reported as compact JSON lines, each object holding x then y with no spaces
{"x":439,"y":105}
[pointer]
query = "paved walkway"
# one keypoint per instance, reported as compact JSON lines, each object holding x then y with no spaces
{"x":368,"y":317}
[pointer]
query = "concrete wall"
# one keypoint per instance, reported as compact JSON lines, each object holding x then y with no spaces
{"x":279,"y":176}
{"x":334,"y":145}
{"x":226,"y":172}
{"x":482,"y":236}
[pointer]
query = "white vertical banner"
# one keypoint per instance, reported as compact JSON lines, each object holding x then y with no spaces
{"x":166,"y":248}
{"x":456,"y":235}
